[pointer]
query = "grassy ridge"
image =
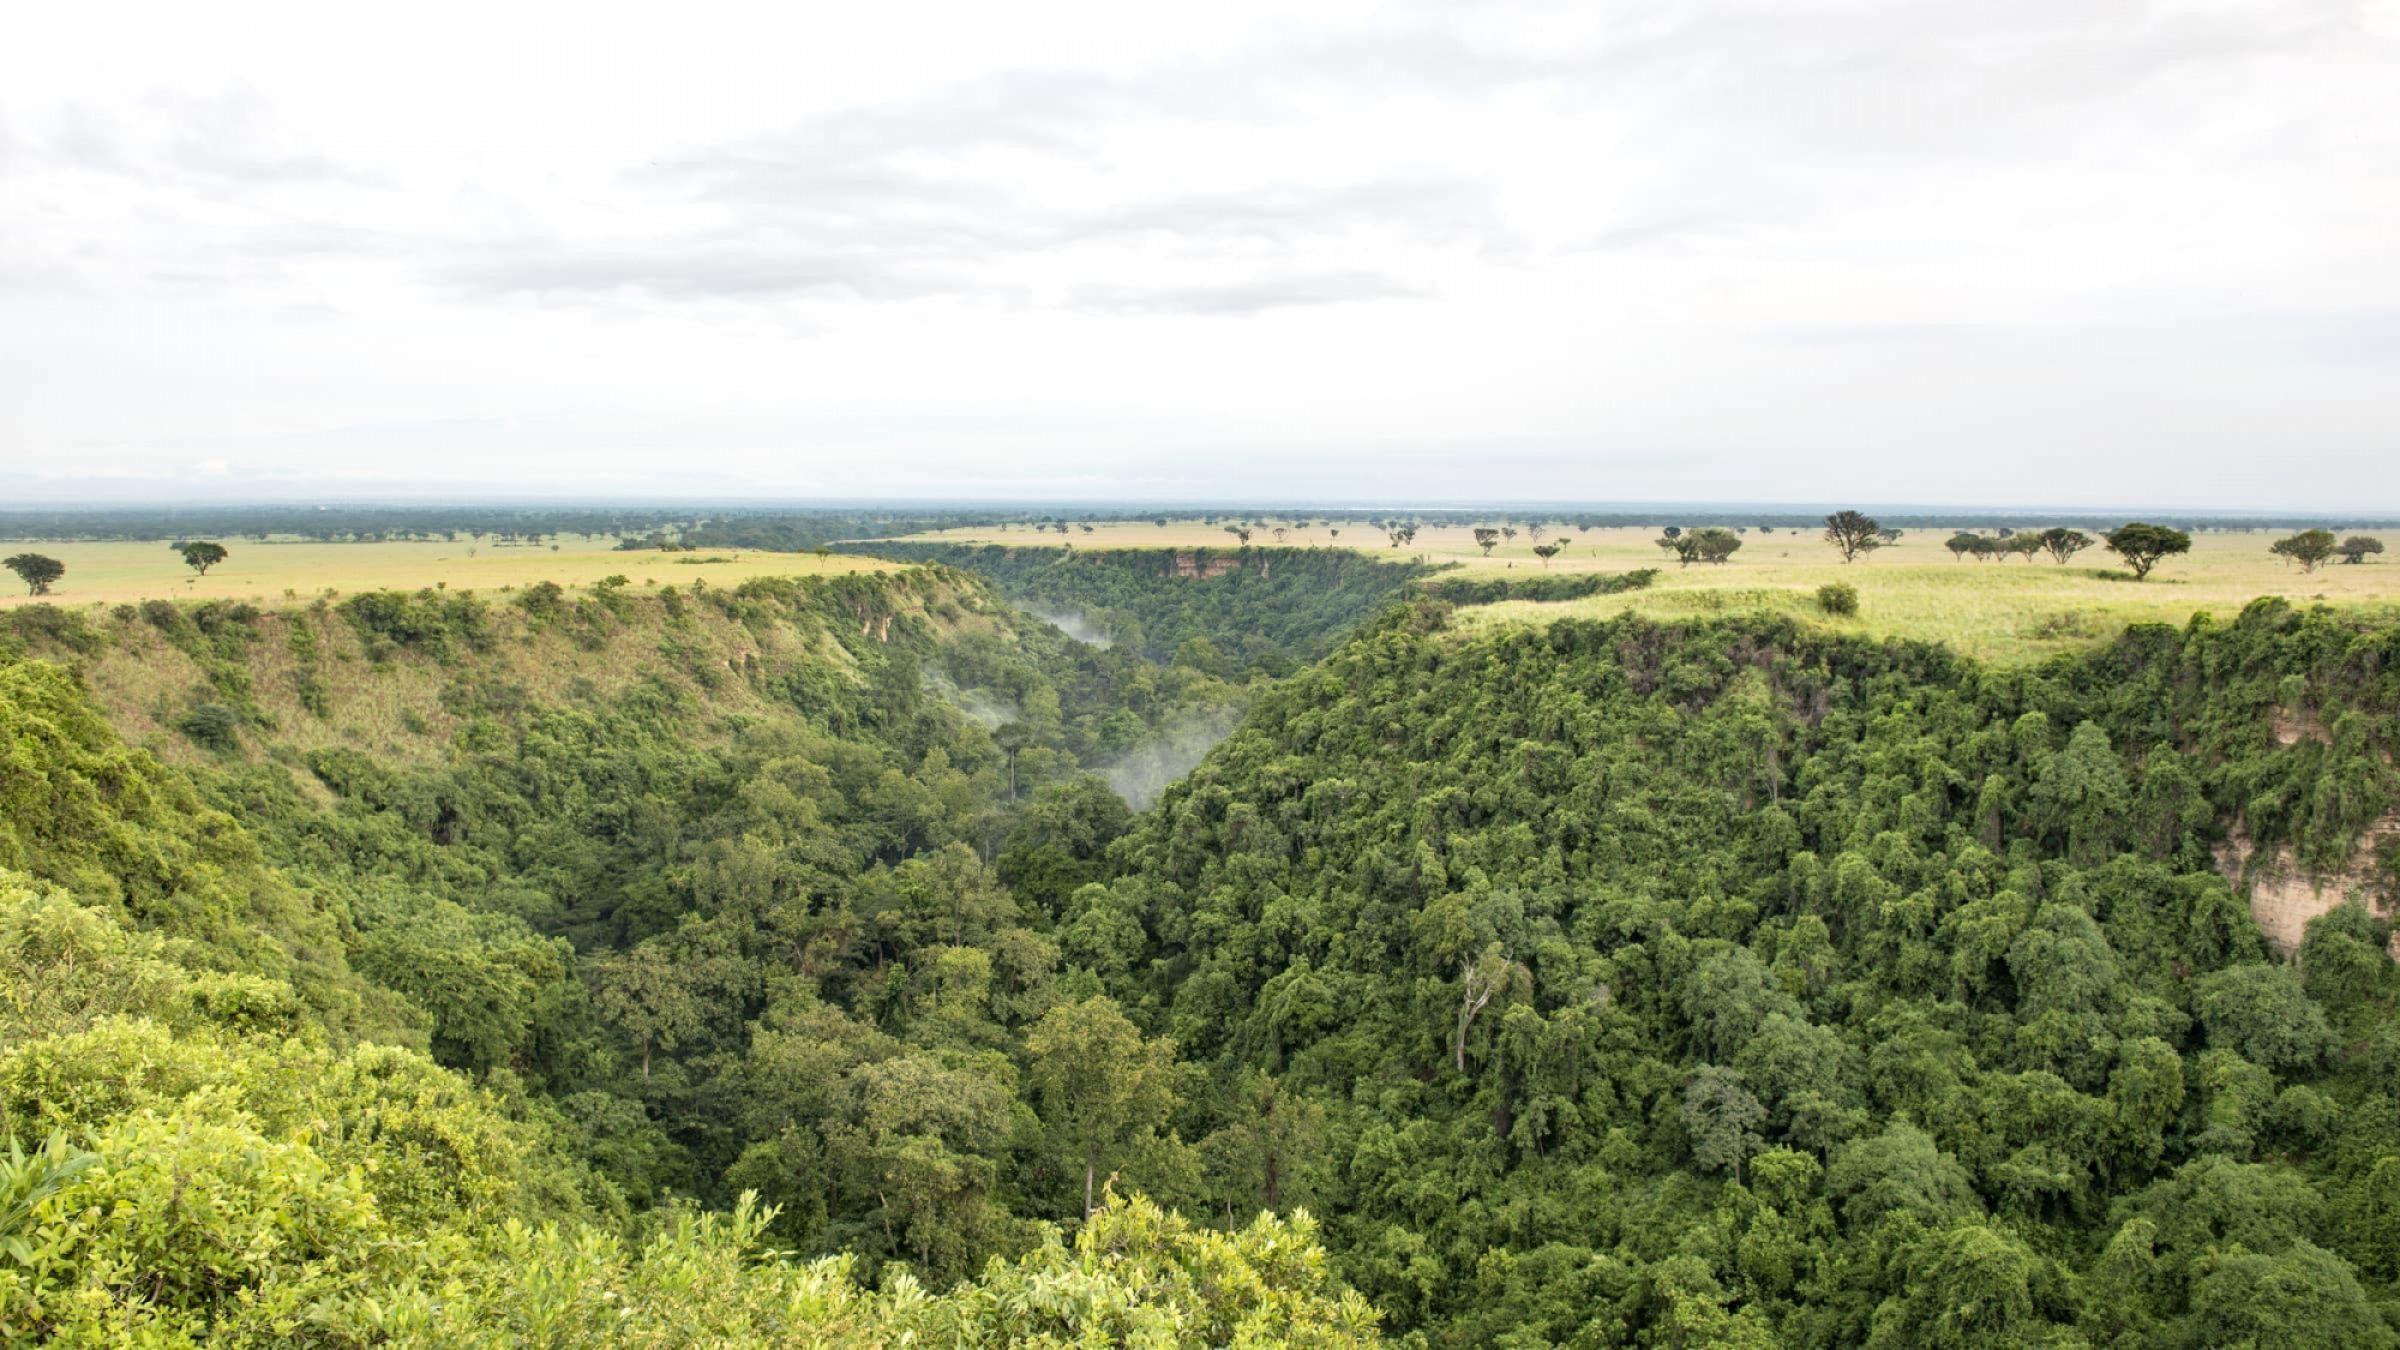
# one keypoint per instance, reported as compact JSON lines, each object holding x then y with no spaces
{"x":281,"y":573}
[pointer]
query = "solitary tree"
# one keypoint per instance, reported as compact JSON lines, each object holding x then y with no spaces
{"x":1547,"y":551}
{"x":1098,"y":1086}
{"x":201,"y":555}
{"x":2309,"y":548}
{"x":2064,"y":543}
{"x":38,"y":571}
{"x":2355,"y":549}
{"x":1853,"y":534}
{"x":2142,"y":545}
{"x":1485,"y":537}
{"x":1713,"y":544}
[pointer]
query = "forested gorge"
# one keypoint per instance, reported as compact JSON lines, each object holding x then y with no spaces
{"x":744,"y":965}
{"x":1265,"y":610}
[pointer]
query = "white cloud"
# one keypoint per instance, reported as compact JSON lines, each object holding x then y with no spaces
{"x":2109,"y":247}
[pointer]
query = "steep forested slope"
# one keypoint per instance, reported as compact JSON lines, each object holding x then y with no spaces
{"x":711,"y":910}
{"x":1610,"y":983}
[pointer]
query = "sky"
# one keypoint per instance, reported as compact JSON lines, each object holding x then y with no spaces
{"x":2065,"y":252}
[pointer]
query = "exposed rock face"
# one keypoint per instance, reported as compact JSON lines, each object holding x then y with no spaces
{"x":2293,"y":725}
{"x":2284,"y":897}
{"x":1205,"y":566}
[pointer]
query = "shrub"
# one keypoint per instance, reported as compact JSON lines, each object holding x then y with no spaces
{"x":1838,"y":598}
{"x":210,"y":726}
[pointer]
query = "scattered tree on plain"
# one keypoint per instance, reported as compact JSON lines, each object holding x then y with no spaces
{"x":2063,"y":543}
{"x":2142,"y":545}
{"x":1853,"y":534}
{"x":1485,"y":538}
{"x":2355,"y":549}
{"x":36,"y":570}
{"x":2309,"y":548}
{"x":1547,"y":551}
{"x":201,"y":555}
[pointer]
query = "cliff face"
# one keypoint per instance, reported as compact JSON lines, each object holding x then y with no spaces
{"x":1204,"y":566}
{"x":2284,"y":896}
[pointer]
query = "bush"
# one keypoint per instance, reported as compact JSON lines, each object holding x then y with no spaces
{"x":1838,"y":598}
{"x":210,"y":726}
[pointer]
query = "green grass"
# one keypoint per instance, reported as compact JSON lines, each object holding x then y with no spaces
{"x":2011,"y":611}
{"x":279,"y":572}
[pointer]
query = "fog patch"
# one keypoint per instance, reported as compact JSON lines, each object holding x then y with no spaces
{"x":983,"y":709}
{"x":1147,"y":769}
{"x":1076,"y":627}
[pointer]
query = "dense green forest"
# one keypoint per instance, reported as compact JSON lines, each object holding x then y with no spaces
{"x":1269,"y":610}
{"x":767,"y":963}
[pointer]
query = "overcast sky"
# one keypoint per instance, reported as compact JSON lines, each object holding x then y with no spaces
{"x":2034,"y":251}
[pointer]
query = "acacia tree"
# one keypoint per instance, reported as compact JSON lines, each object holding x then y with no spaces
{"x":2063,"y":543}
{"x":1547,"y":551}
{"x":1713,"y":544}
{"x":1853,"y":534}
{"x":201,"y":555}
{"x":36,"y":570}
{"x":1485,"y":538}
{"x":2143,"y":545}
{"x":1963,"y":543}
{"x":2355,"y":549}
{"x":2309,"y":548}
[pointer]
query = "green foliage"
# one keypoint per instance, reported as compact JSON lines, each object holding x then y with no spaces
{"x":1600,"y":983}
{"x":211,"y":726}
{"x":201,"y":554}
{"x":1486,"y":589}
{"x":1852,"y":533}
{"x":2143,"y":546}
{"x":37,"y":570}
{"x":434,"y":621}
{"x":1838,"y":598}
{"x":1710,"y":544}
{"x":2062,"y":543}
{"x":2309,"y":548}
{"x":1266,"y":609}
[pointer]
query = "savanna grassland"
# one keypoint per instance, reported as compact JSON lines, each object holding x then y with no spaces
{"x":279,"y":571}
{"x":2008,"y":610}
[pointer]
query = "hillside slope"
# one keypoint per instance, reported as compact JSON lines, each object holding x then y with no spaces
{"x":1734,"y":983}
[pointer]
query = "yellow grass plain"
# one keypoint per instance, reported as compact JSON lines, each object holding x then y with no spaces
{"x":279,"y":572}
{"x":2006,"y":611}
